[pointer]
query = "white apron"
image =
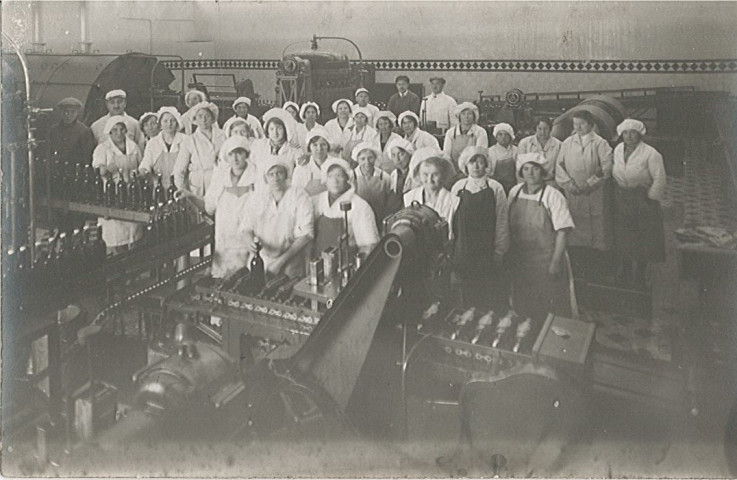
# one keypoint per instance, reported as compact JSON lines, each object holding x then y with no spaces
{"x":231,"y":251}
{"x":117,"y":233}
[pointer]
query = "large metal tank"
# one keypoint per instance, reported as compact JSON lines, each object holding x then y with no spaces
{"x":88,"y":77}
{"x":607,"y":112}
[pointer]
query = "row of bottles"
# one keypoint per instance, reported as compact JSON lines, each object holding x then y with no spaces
{"x":77,"y":183}
{"x":508,"y":331}
{"x":63,"y":263}
{"x":169,"y":221}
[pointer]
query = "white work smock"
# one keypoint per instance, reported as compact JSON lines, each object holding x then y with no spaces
{"x":117,"y":233}
{"x":196,"y":161}
{"x":362,"y":231}
{"x":309,"y":177}
{"x":133,"y":131}
{"x":226,"y":200}
{"x":420,"y":139}
{"x":440,"y":108}
{"x":161,"y":159}
{"x":587,"y":161}
{"x":455,"y":141}
{"x":367,"y":134}
{"x":339,"y":135}
{"x":263,"y":154}
{"x":644,"y":168}
{"x":278,"y":226}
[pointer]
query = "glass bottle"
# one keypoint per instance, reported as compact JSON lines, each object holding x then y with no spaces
{"x":110,"y":191}
{"x":88,"y":185}
{"x":172,"y":188}
{"x":99,"y":188}
{"x":78,"y":193}
{"x":121,"y":194}
{"x":134,"y":192}
{"x":258,"y":272}
{"x":159,"y":192}
{"x":145,"y":194}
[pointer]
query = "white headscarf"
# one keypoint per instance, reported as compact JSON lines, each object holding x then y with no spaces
{"x":631,"y":124}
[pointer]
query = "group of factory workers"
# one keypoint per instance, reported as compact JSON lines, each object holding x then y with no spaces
{"x":512,"y":210}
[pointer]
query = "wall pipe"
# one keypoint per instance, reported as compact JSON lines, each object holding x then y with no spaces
{"x":31,"y":147}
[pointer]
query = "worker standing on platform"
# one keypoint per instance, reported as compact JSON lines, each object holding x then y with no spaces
{"x":117,"y":155}
{"x":438,"y":107}
{"x":404,"y":100}
{"x":198,"y":152}
{"x":281,"y":217}
{"x":241,"y":107}
{"x":115,"y":101}
{"x":480,"y":233}
{"x":362,"y":97}
{"x":640,"y":179}
{"x":539,"y":224}
{"x":583,"y":169}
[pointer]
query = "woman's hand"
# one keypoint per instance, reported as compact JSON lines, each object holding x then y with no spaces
{"x":251,"y":245}
{"x":554,"y":269}
{"x":182,"y":194}
{"x":303,"y":160}
{"x":276,"y":266}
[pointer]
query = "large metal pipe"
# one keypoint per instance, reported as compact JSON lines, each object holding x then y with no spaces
{"x":31,"y":147}
{"x":608,"y":112}
{"x":85,"y":46}
{"x":36,"y":21}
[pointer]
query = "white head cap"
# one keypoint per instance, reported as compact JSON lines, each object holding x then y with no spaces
{"x":115,"y":93}
{"x":631,"y":124}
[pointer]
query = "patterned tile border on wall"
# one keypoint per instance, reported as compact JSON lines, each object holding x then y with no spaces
{"x":550,"y":66}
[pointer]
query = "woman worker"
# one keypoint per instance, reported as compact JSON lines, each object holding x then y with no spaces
{"x":309,"y":113}
{"x":360,"y":132}
{"x":542,"y":143}
{"x":115,"y":156}
{"x":241,"y":107}
{"x":384,"y":124}
{"x":362,"y":232}
{"x":191,"y":99}
{"x":582,"y":169}
{"x":198,"y":152}
{"x":372,"y":184}
{"x":279,"y":126}
{"x":466,"y":133}
{"x":308,"y":176}
{"x":225,"y":198}
{"x":539,"y":224}
{"x":401,"y":153}
{"x":503,"y":155}
{"x":149,"y":125}
{"x":431,"y":170}
{"x":480,"y":233}
{"x":162,"y":150}
{"x":410,"y":123}
{"x":239,"y":127}
{"x":280,"y":216}
{"x":639,"y":177}
{"x":340,"y":126}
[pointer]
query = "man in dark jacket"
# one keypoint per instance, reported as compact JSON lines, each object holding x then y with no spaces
{"x":71,"y":140}
{"x":404,"y":99}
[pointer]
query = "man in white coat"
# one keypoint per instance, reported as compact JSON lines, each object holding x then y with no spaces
{"x":115,"y":100}
{"x":439,"y":107}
